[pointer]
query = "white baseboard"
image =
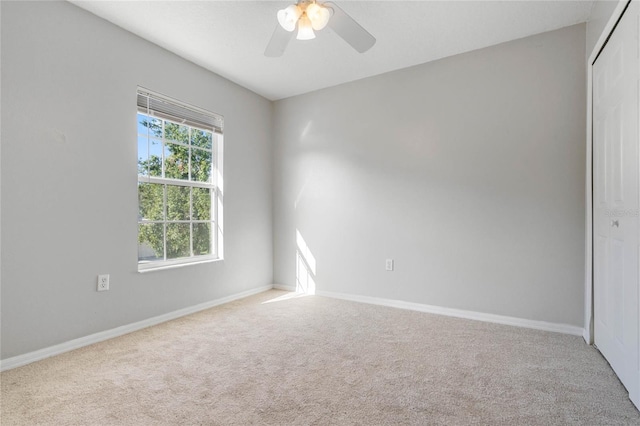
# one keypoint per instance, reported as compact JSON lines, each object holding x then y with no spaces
{"x":28,"y":358}
{"x":284,"y":287}
{"x":40,"y":354}
{"x":458,"y":313}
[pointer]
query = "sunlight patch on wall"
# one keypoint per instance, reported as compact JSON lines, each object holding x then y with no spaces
{"x":305,"y":267}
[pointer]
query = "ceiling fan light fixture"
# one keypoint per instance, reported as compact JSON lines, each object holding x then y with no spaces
{"x":318,"y":15}
{"x":305,"y":30}
{"x":310,"y":15}
{"x":289,"y":16}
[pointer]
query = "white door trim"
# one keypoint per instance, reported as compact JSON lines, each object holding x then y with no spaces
{"x":588,"y":274}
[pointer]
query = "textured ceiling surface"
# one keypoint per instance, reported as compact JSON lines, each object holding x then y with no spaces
{"x":229,"y":37}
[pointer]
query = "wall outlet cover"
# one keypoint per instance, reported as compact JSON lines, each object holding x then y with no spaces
{"x":389,"y":265}
{"x":103,"y":282}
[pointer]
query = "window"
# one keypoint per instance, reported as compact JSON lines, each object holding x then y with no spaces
{"x":179,"y":177}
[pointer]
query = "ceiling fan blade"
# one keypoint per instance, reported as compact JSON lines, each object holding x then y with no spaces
{"x":347,"y":28}
{"x":278,"y":43}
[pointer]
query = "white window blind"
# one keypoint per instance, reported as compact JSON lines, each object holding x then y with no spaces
{"x":157,"y":105}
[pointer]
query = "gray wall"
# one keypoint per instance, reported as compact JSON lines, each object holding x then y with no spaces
{"x":600,"y":14}
{"x":69,"y":208}
{"x":468,"y":171}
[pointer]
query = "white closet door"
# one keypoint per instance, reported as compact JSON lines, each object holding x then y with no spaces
{"x":615,"y":186}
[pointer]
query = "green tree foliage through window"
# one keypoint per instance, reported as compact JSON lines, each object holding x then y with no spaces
{"x":175,"y":220}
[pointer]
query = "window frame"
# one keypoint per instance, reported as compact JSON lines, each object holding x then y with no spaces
{"x":214,"y":184}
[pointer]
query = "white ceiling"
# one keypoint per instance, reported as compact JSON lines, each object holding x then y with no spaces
{"x":229,"y":37}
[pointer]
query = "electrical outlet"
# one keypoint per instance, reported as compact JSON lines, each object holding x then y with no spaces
{"x":389,"y":265}
{"x":103,"y":282}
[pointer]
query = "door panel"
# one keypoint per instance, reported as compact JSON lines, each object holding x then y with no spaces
{"x":617,"y":167}
{"x":600,"y":275}
{"x":614,"y":308}
{"x":616,"y":201}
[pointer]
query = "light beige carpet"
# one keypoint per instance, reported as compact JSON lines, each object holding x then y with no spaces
{"x":320,"y":361}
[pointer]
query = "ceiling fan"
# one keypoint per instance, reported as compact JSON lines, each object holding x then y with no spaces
{"x":309,"y":15}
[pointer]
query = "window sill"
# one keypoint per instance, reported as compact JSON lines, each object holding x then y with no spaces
{"x":150,"y":268}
